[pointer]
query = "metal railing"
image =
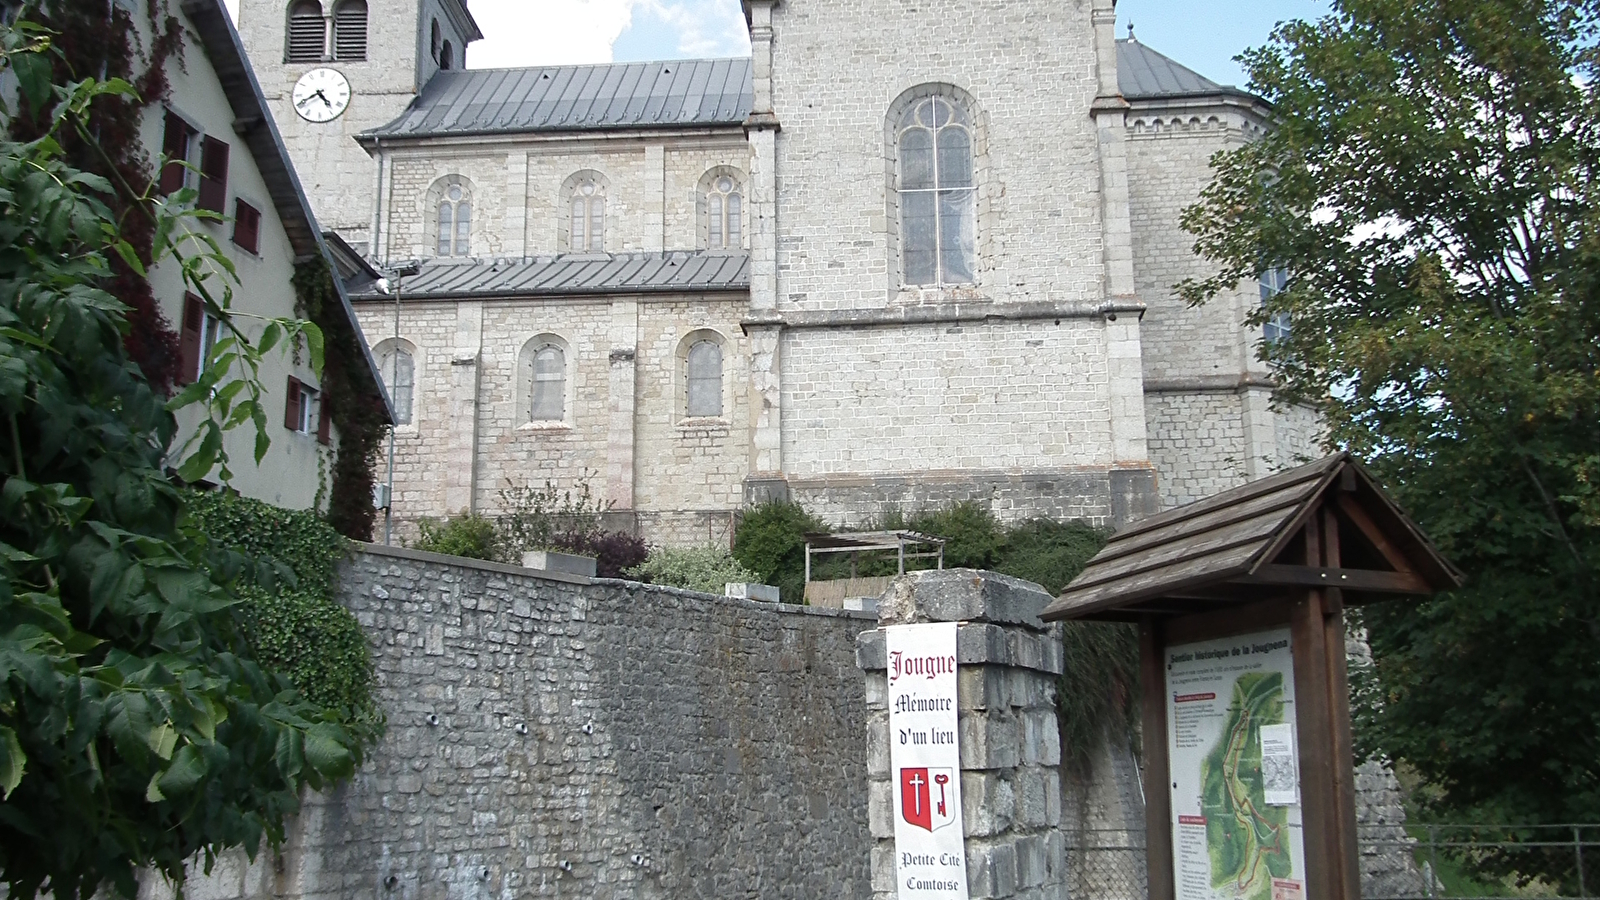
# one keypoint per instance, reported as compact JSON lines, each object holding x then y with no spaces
{"x":1413,"y":862}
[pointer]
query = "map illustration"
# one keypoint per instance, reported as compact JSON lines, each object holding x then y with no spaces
{"x":1248,"y":841}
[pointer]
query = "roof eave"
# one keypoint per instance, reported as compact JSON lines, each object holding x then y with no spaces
{"x":223,"y":46}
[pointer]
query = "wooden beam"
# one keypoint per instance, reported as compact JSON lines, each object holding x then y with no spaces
{"x":1359,"y":518}
{"x":1222,"y":623}
{"x":1348,"y":579}
{"x":1343,"y":825}
{"x":1157,"y":769}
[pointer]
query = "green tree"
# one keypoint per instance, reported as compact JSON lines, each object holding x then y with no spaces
{"x":136,"y":727}
{"x":1430,"y":187}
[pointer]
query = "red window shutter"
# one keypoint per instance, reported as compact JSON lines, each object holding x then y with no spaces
{"x":247,"y":226}
{"x":175,"y":147}
{"x":291,"y":409}
{"x":194,"y":321}
{"x":324,"y":422}
{"x":213,"y":174}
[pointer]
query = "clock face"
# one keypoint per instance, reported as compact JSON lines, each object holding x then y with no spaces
{"x":321,"y":95}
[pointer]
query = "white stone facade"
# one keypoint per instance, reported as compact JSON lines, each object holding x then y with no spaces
{"x":1063,"y":378}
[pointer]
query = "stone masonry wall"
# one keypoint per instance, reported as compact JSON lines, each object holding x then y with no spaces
{"x":568,"y":738}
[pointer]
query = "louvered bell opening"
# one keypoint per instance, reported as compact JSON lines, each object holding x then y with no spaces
{"x":350,"y":30}
{"x":307,"y":33}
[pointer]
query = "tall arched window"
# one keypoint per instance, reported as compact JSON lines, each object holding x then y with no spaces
{"x":938,"y":202}
{"x":433,"y":42}
{"x":397,"y":367}
{"x":447,"y":57}
{"x":724,"y":214}
{"x":705,"y":379}
{"x":455,"y":222}
{"x":350,"y":30}
{"x":308,"y":32}
{"x":548,"y":393}
{"x":586,"y":224}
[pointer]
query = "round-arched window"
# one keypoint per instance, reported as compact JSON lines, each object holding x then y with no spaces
{"x":455,"y":222}
{"x":938,"y":200}
{"x":724,"y":214}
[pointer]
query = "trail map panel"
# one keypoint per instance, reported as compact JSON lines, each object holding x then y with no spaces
{"x":1236,"y":815}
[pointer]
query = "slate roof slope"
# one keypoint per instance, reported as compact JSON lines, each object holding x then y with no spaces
{"x":622,"y":273}
{"x":669,"y":94}
{"x":666,"y":94}
{"x":1231,"y":534}
{"x":1144,"y":74}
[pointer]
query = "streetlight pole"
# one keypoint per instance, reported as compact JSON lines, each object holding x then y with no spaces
{"x":399,"y":272}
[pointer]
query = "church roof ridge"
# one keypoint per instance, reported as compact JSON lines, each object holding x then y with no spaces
{"x":669,"y":271}
{"x":673,"y":93}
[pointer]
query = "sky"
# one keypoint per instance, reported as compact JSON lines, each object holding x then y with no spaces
{"x":1204,"y":35}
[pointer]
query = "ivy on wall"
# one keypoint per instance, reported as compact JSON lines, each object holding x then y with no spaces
{"x":290,"y":613}
{"x":100,"y":40}
{"x":352,"y":398}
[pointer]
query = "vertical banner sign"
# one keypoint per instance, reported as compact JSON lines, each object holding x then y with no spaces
{"x":925,"y":763}
{"x":1236,"y":818}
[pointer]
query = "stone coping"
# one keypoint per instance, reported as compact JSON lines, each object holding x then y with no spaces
{"x":423,"y":556}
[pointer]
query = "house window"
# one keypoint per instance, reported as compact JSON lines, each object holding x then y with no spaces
{"x":705,"y":379}
{"x":455,"y":221}
{"x":938,"y":202}
{"x":549,"y":389}
{"x":1274,"y":281}
{"x":213,"y":174}
{"x":433,"y":42}
{"x":447,"y":57}
{"x":724,"y":214}
{"x":350,"y":30}
{"x":308,"y":32}
{"x":201,"y":332}
{"x":305,"y":413}
{"x":177,"y":142}
{"x":398,"y":369}
{"x":588,"y":222}
{"x":247,"y":226}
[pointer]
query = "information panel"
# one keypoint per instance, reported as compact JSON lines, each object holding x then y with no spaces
{"x":925,"y":762}
{"x":1236,"y":817}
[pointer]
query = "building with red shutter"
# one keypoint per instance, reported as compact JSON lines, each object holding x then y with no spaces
{"x":215,"y":120}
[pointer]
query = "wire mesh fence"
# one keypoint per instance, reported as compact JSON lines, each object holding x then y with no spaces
{"x":1413,"y":862}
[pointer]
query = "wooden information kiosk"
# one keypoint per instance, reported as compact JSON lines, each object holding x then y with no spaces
{"x":1240,"y":602}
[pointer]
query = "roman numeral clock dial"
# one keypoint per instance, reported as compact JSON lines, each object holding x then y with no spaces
{"x":321,"y":95}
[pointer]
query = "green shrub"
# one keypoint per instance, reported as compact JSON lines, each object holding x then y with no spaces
{"x":706,"y":569}
{"x":974,"y":538}
{"x":771,"y":542}
{"x":1049,"y":553}
{"x":291,"y":613}
{"x":546,"y":518}
{"x":468,"y":534}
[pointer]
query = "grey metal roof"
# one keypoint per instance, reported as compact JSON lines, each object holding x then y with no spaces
{"x":669,"y":94}
{"x":666,"y":94}
{"x":1144,"y":74}
{"x":443,"y":279}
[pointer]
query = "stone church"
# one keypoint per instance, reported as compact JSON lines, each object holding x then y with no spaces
{"x":906,"y":253}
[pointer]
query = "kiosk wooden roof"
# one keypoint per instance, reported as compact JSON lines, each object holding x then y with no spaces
{"x":1241,"y":546}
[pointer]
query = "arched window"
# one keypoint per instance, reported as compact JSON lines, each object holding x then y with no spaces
{"x":1274,"y":281}
{"x":308,"y":32}
{"x":447,"y":56}
{"x":935,"y":187}
{"x":548,"y":393}
{"x":586,"y":222}
{"x":397,"y":367}
{"x":724,"y":214}
{"x":433,"y":42}
{"x":705,"y":379}
{"x":350,"y":30}
{"x":455,"y":221}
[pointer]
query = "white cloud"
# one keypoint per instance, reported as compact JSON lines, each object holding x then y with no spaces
{"x":522,"y":33}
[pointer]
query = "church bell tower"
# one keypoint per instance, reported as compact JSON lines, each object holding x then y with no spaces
{"x":332,"y":69}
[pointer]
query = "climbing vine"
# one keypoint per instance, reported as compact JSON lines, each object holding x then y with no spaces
{"x":355,"y":406}
{"x":290,"y":612}
{"x":100,"y":40}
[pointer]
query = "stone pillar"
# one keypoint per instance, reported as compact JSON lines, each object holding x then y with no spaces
{"x":623,"y":391}
{"x":1009,"y":662}
{"x":461,"y":459}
